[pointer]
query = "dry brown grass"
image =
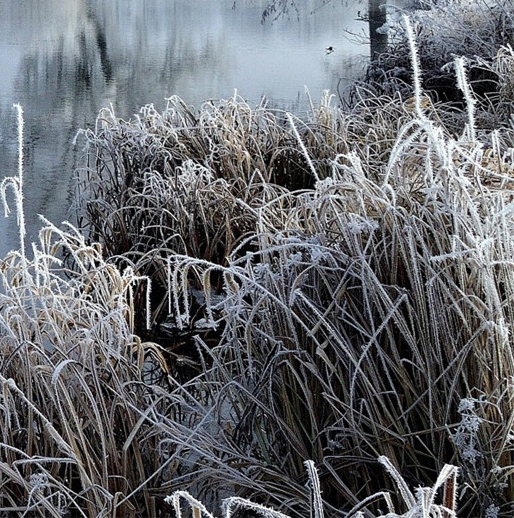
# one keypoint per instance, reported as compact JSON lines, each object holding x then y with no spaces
{"x":354,"y":271}
{"x":352,"y":318}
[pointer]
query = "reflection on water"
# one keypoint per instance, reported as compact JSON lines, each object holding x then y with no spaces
{"x":64,"y":61}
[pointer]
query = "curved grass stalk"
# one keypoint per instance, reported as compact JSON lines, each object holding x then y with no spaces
{"x":16,"y":183}
{"x":463,"y":84}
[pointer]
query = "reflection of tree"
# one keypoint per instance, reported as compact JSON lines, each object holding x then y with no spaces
{"x":278,"y":8}
{"x":377,"y":18}
{"x":79,"y":56}
{"x":101,"y":42}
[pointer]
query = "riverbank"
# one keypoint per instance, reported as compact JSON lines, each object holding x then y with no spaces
{"x":256,"y":291}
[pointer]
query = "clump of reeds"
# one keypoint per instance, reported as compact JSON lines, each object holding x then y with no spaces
{"x":73,"y":433}
{"x":182,"y":183}
{"x":75,"y":400}
{"x":368,"y":313}
{"x":366,"y":316}
{"x":474,"y":30}
{"x":197,"y":184}
{"x":421,"y":505}
{"x":357,"y":270}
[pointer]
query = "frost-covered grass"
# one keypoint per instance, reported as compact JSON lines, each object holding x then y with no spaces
{"x":480,"y":31}
{"x":355,"y":273}
{"x":367,"y":313}
{"x":422,"y":504}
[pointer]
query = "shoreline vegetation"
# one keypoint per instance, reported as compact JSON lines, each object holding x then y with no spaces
{"x":293,"y":316}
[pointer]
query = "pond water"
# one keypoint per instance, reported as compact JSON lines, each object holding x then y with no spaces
{"x":64,"y":61}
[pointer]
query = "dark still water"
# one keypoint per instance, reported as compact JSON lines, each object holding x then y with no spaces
{"x":65,"y":60}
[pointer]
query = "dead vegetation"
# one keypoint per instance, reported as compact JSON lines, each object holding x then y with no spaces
{"x":344,"y":284}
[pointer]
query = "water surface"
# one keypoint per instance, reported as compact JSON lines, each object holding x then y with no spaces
{"x":64,"y":61}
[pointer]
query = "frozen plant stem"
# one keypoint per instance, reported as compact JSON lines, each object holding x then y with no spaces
{"x":19,"y":190}
{"x":463,"y":84}
{"x":16,"y":182}
{"x":316,"y":501}
{"x":416,"y":73}
{"x":303,"y":148}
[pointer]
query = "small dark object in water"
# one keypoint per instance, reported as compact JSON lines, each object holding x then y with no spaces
{"x":329,"y":50}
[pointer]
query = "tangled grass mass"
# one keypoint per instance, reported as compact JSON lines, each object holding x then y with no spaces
{"x":291,"y":316}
